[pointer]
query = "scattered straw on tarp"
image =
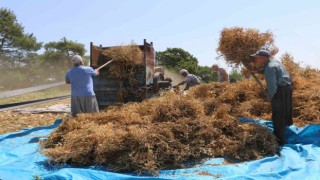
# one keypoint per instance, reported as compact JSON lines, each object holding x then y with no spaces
{"x":161,"y":133}
{"x":236,"y":44}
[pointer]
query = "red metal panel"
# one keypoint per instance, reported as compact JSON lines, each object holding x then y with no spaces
{"x":95,"y":54}
{"x":150,"y":59}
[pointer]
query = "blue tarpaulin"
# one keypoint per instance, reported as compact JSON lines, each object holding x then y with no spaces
{"x":20,"y":158}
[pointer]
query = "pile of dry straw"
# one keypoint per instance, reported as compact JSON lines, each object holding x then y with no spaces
{"x":246,"y":99}
{"x":160,"y":133}
{"x":235,"y":46}
{"x":168,"y":131}
{"x":128,"y":64}
{"x":126,"y":58}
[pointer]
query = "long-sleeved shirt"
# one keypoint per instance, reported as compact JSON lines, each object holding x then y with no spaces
{"x":191,"y":80}
{"x":275,"y":75}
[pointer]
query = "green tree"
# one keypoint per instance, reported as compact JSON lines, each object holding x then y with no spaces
{"x":66,"y":47}
{"x":17,"y":50}
{"x":176,"y":59}
{"x":206,"y":74}
{"x":235,"y":76}
{"x":13,"y":39}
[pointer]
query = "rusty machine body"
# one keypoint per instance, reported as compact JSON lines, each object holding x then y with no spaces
{"x":149,"y":79}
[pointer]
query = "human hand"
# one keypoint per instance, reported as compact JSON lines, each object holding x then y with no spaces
{"x":97,"y":72}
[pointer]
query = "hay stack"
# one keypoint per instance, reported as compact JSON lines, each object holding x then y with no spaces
{"x":236,"y":44}
{"x":161,"y":133}
{"x":165,"y":132}
{"x":245,"y":98}
{"x":306,"y":92}
{"x":126,"y":58}
{"x":128,"y":64}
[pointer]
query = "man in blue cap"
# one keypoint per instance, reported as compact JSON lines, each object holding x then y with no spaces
{"x":279,"y":92}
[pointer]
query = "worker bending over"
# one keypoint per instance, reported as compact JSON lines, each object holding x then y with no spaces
{"x":190,"y":80}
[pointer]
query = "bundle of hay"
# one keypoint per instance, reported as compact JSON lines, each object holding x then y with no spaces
{"x":161,"y":133}
{"x":128,"y":64}
{"x":126,"y":58}
{"x":236,"y":44}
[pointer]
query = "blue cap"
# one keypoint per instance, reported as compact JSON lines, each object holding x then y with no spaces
{"x":263,"y":53}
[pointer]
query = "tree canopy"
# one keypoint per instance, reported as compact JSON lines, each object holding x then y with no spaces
{"x":20,"y":61}
{"x":176,"y":59}
{"x":12,"y":35}
{"x":66,"y":47}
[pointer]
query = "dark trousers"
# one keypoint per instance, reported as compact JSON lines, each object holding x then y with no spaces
{"x":282,"y":112}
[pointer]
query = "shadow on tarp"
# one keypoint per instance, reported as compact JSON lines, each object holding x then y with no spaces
{"x":20,"y":158}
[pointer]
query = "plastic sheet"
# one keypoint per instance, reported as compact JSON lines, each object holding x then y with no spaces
{"x":20,"y":158}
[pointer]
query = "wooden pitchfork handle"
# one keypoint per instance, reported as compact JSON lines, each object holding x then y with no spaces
{"x":258,"y":81}
{"x":104,"y":65}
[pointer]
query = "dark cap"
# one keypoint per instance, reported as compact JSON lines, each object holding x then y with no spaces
{"x":263,"y":53}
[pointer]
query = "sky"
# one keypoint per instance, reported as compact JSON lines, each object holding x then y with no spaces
{"x":193,"y":25}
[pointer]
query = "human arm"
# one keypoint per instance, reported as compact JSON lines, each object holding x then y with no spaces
{"x":181,"y":83}
{"x":187,"y":87}
{"x":270,"y":77}
{"x":93,"y":72}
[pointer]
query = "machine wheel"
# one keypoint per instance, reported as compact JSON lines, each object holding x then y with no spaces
{"x":158,"y":77}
